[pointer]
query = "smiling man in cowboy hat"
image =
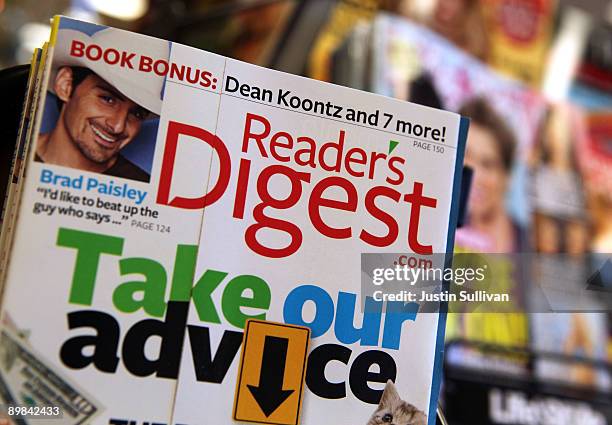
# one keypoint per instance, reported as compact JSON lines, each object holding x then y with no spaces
{"x":102,"y":110}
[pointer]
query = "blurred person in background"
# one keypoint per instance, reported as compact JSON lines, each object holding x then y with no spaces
{"x":490,"y":153}
{"x":559,"y":217}
{"x":490,"y":229}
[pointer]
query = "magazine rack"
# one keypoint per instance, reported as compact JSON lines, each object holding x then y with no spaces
{"x":499,"y":372}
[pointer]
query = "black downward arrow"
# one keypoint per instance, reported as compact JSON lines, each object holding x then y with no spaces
{"x":269,"y":394}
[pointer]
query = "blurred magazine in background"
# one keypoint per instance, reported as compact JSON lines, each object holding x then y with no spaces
{"x":519,"y":34}
{"x":565,"y":227}
{"x":504,"y":122}
{"x":513,"y":184}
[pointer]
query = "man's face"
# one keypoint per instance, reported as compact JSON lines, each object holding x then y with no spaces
{"x":100,"y":120}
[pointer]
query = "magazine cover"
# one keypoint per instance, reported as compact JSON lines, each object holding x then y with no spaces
{"x":176,"y":201}
{"x":520,"y":34}
{"x":415,"y":64}
{"x":570,"y":157}
{"x":539,"y":193}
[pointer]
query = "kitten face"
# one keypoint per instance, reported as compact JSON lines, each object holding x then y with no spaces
{"x":392,"y":410}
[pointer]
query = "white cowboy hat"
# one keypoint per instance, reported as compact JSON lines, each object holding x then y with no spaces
{"x":143,"y":88}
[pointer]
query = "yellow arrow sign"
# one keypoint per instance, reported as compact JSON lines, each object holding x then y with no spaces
{"x":272,"y":371}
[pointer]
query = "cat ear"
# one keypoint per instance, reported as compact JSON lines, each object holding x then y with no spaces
{"x":390,"y":395}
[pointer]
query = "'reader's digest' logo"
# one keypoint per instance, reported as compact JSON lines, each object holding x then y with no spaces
{"x":305,"y":154}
